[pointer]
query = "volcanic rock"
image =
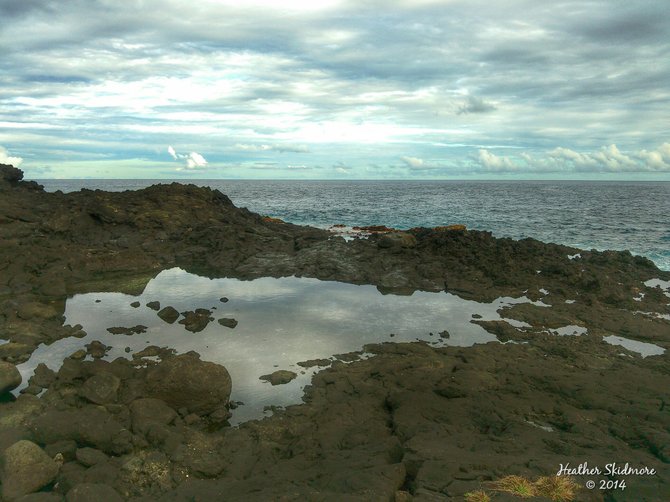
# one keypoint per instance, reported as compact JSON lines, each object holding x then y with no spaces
{"x":279,"y":377}
{"x":154,"y":305}
{"x":169,"y":314}
{"x":228,"y":322}
{"x":101,"y":388}
{"x":10,"y":378}
{"x":92,"y":492}
{"x":196,"y":321}
{"x":24,"y":469}
{"x":185,"y":381}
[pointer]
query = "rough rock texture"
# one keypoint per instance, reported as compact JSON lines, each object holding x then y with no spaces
{"x":92,"y":492}
{"x":412,"y":421}
{"x":186,"y":381}
{"x":279,"y":377}
{"x":24,"y":469}
{"x":169,"y":314}
{"x":228,"y":322}
{"x":197,"y":320}
{"x":10,"y":378}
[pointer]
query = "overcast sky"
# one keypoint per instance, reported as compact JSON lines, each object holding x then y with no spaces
{"x":336,"y":89}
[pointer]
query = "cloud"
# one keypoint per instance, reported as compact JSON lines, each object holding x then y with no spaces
{"x":611,"y":159}
{"x":475,"y":105}
{"x":607,"y":159}
{"x":495,"y":163}
{"x":413,"y":162}
{"x":6,"y":159}
{"x":341,"y":82}
{"x":192,"y":161}
{"x":268,"y":148}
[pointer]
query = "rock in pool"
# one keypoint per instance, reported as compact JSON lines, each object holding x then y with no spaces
{"x":279,"y":377}
{"x":196,"y":321}
{"x":228,"y":322}
{"x":154,"y":305}
{"x":169,"y":314}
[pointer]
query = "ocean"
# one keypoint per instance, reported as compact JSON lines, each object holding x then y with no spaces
{"x":584,"y":214}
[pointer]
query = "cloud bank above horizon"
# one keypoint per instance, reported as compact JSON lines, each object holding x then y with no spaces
{"x":336,"y":89}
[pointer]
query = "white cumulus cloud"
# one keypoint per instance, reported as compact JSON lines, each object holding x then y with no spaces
{"x":194,"y":160}
{"x":493,"y":162}
{"x":413,"y":162}
{"x":6,"y":159}
{"x":191,"y":161}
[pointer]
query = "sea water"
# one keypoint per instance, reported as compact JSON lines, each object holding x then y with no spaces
{"x":632,"y":216}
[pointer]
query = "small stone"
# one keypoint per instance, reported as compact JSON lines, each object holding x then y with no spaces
{"x":444,"y":334}
{"x":223,"y":299}
{"x":135,"y":305}
{"x":169,"y":314}
{"x":119,"y":330}
{"x":154,"y":305}
{"x":279,"y":377}
{"x":196,"y":321}
{"x":78,"y":355}
{"x":97,"y":349}
{"x":228,"y":322}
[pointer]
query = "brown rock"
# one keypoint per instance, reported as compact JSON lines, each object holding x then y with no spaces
{"x":10,"y":378}
{"x":186,"y":381}
{"x":279,"y":377}
{"x":24,"y":469}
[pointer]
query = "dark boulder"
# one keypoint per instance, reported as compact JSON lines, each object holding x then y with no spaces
{"x":279,"y":377}
{"x":185,"y":381}
{"x":25,"y":468}
{"x":169,"y":314}
{"x":10,"y":378}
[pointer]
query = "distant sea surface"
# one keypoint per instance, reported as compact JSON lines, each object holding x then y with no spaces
{"x":584,"y":214}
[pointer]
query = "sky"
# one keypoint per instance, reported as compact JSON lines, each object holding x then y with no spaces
{"x":336,"y":89}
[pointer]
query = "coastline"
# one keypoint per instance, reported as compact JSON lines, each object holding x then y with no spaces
{"x":413,"y":421}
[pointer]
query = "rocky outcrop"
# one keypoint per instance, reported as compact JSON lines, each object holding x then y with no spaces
{"x":410,"y":421}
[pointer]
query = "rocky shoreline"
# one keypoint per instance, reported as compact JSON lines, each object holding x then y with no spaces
{"x":411,"y":423}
